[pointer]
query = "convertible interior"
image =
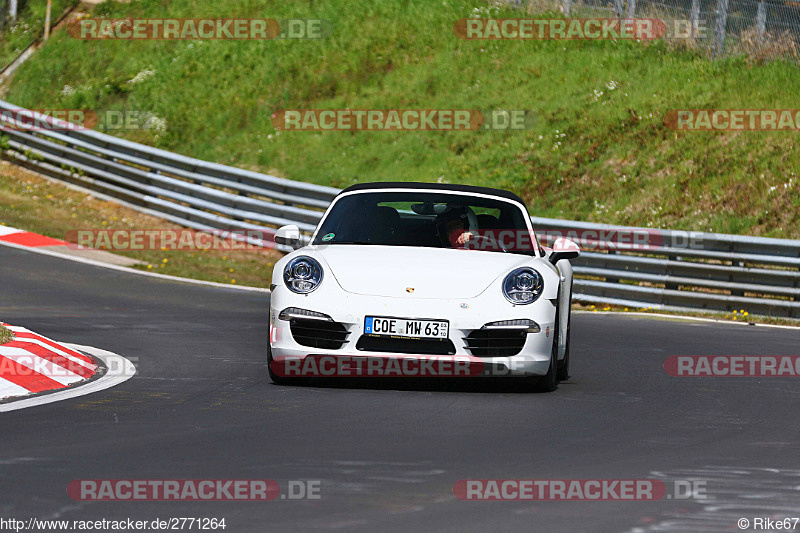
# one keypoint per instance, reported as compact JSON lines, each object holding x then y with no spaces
{"x":397,"y":219}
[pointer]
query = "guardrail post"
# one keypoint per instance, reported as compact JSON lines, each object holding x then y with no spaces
{"x":567,"y":6}
{"x":695,"y":18}
{"x":761,"y":21}
{"x":12,"y":10}
{"x":631,"y":8}
{"x":618,"y":9}
{"x":48,"y":9}
{"x":668,"y":285}
{"x":612,"y":280}
{"x":720,"y":23}
{"x":796,"y":281}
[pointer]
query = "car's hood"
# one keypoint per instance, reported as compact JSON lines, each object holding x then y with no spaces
{"x":405,"y":272}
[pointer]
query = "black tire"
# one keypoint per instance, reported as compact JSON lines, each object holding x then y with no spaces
{"x":279,"y":380}
{"x":563,"y":366}
{"x":549,"y":382}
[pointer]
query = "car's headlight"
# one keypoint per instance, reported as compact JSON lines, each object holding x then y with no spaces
{"x":523,"y":286}
{"x":302,"y":274}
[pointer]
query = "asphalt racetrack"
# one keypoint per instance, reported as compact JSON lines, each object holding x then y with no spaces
{"x":386,"y":454}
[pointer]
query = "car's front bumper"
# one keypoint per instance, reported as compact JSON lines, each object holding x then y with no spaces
{"x":464,"y":316}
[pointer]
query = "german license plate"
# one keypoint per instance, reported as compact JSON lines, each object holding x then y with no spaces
{"x":406,"y":327}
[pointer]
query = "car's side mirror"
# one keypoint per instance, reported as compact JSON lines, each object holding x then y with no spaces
{"x":288,"y":236}
{"x":564,"y":249}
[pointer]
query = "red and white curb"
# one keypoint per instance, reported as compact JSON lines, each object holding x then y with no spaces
{"x":36,"y":370}
{"x":27,"y":239}
{"x":32,"y":363}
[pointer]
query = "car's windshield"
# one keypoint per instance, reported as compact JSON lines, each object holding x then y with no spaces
{"x":427,"y":219}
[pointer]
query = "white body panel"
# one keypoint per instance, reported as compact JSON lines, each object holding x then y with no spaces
{"x":463,"y":287}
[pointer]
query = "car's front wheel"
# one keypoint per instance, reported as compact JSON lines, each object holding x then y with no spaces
{"x":563,"y":365}
{"x":549,"y":382}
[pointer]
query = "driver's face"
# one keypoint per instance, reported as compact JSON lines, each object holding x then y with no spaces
{"x":454,"y":225}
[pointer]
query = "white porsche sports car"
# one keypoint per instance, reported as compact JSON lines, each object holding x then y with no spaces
{"x":450,"y":273}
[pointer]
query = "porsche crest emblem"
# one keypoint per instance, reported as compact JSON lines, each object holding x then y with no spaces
{"x":409,"y":290}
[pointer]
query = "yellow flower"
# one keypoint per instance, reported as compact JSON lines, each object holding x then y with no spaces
{"x":165,"y":260}
{"x":230,"y":270}
{"x":233,"y":281}
{"x":149,"y":267}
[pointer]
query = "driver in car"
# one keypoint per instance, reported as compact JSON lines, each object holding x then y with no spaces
{"x":455,"y":226}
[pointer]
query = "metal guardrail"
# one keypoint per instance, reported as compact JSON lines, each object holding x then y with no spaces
{"x":183,"y":190}
{"x":674,"y":270}
{"x":683,"y":270}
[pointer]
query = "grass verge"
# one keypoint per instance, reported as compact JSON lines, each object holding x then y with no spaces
{"x":33,"y":203}
{"x":6,"y":335}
